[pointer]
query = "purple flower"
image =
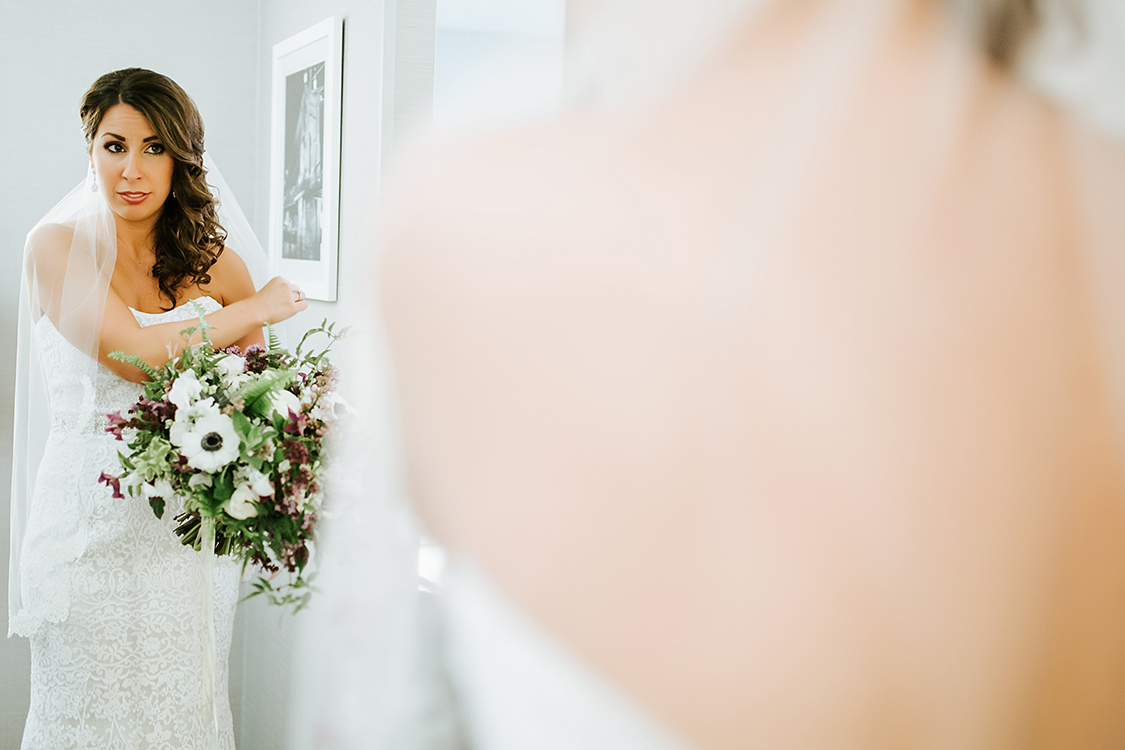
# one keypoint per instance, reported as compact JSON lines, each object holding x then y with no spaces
{"x":295,"y":452}
{"x":257,"y":359}
{"x":327,"y":378}
{"x":296,"y":424}
{"x":153,"y":412}
{"x":111,"y":481}
{"x":116,"y":421}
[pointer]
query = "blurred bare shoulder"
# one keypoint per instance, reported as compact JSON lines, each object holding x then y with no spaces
{"x":479,"y":191}
{"x":48,"y":247}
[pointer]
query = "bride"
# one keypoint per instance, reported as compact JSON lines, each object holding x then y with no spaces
{"x":111,"y":600}
{"x":772,"y":396}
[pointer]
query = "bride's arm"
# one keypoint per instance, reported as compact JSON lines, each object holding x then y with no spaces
{"x":65,"y":289}
{"x":239,"y":322}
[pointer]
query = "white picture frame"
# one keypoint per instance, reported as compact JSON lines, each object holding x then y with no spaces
{"x":304,"y":242}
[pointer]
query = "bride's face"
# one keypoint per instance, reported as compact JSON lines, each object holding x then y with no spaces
{"x":133,"y":169}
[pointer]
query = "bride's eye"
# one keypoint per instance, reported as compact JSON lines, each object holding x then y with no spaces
{"x":115,"y":147}
{"x":156,"y":149}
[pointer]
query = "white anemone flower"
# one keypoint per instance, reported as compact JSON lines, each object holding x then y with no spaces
{"x":230,"y":366}
{"x":283,"y":402}
{"x":325,"y":409}
{"x":188,"y":416}
{"x":200,"y":480}
{"x":211,"y":443}
{"x":158,"y":488}
{"x":186,"y":390}
{"x":254,"y":480}
{"x":242,"y":503}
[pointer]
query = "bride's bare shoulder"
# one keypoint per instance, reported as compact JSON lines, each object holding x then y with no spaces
{"x":230,"y":279}
{"x":49,"y":246}
{"x":51,"y":235}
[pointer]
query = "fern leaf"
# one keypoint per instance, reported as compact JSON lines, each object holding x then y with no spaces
{"x":137,"y":362}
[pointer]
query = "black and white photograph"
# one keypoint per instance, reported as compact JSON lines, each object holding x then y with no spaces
{"x":305,"y":158}
{"x":304,"y":164}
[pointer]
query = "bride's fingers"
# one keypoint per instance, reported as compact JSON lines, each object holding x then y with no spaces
{"x":283,"y":298}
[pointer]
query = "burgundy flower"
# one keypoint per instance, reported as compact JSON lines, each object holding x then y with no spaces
{"x":301,"y":555}
{"x":264,"y":562}
{"x":232,"y":349}
{"x":327,"y":378}
{"x":296,"y":423}
{"x":257,"y":359}
{"x":295,"y":452}
{"x":153,"y":412}
{"x":116,"y":422}
{"x":111,"y":481}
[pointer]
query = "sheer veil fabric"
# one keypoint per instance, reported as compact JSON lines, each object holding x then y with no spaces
{"x":631,"y":59}
{"x":69,"y":259}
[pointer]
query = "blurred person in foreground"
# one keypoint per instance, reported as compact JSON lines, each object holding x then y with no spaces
{"x":772,"y":396}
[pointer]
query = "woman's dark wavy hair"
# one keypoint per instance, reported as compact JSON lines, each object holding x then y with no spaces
{"x":188,"y":237}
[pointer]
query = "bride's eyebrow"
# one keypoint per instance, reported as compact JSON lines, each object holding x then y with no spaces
{"x":121,"y":137}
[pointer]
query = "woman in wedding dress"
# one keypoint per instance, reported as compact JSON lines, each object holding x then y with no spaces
{"x":112,"y":602}
{"x":771,"y":397}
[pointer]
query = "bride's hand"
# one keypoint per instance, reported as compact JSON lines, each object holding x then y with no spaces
{"x":280,"y":299}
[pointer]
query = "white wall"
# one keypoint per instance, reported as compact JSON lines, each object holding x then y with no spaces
{"x":268,"y":638}
{"x":49,"y":55}
{"x":497,"y":61}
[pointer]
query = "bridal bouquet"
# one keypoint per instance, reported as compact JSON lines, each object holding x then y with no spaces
{"x":239,"y":436}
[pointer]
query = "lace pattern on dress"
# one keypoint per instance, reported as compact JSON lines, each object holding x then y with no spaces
{"x":112,"y":599}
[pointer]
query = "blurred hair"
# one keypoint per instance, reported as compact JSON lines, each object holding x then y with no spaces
{"x":1004,"y":28}
{"x":188,"y":237}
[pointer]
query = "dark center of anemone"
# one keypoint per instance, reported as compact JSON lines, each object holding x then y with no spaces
{"x":212,"y":441}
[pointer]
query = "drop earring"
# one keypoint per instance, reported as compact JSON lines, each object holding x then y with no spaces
{"x":93,"y":183}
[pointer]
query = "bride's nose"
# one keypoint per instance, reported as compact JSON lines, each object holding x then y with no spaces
{"x":132,"y":168}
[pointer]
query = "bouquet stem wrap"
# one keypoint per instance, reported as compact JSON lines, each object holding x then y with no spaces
{"x":208,"y":549}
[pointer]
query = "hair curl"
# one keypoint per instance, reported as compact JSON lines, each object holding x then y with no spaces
{"x":1004,"y":29}
{"x":188,"y":238}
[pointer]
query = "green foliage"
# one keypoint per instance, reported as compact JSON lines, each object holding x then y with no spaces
{"x":155,"y":456}
{"x":253,"y":435}
{"x":280,"y":534}
{"x":255,"y":395}
{"x":273,"y":342}
{"x":222,"y":488}
{"x":135,"y":361}
{"x":294,"y":593}
{"x":315,"y":361}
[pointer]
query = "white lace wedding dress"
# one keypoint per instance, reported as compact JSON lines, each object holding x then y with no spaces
{"x":115,"y":615}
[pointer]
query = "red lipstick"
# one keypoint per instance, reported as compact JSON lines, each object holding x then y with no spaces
{"x":133,"y":198}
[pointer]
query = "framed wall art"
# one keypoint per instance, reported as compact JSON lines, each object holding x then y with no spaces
{"x":305,"y":158}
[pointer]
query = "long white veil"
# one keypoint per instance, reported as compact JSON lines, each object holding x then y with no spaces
{"x":68,"y":262}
